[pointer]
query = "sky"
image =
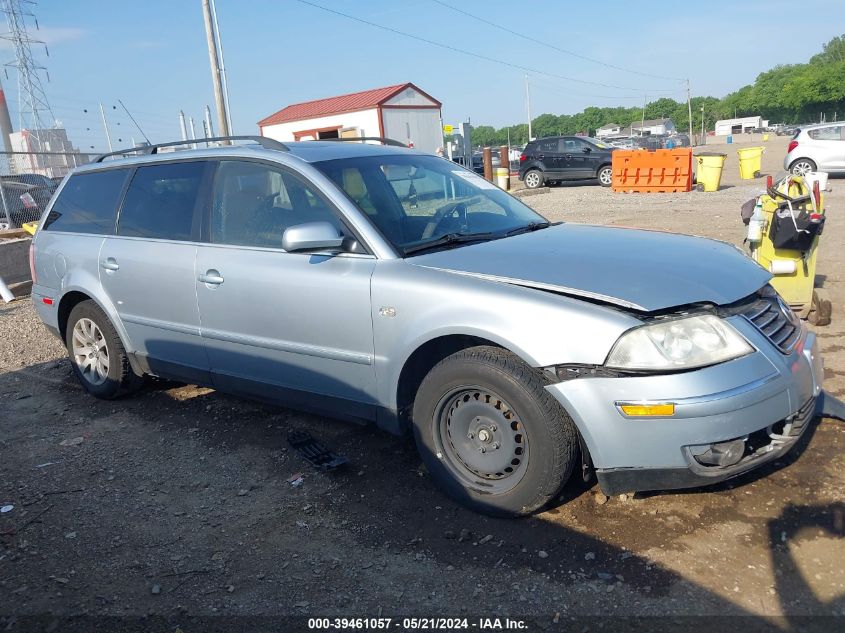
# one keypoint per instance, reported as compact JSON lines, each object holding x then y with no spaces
{"x":152,"y":56}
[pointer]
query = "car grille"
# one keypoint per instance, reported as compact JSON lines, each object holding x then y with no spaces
{"x":775,"y":320}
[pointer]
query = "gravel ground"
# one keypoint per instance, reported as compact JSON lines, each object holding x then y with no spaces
{"x":177,"y":501}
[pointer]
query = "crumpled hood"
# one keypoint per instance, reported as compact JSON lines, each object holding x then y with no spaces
{"x":643,"y":270}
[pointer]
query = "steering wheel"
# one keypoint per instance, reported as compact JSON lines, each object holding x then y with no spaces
{"x":446,"y":212}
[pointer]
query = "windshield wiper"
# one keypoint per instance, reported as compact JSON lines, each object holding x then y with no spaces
{"x":449,"y":238}
{"x":531,"y":226}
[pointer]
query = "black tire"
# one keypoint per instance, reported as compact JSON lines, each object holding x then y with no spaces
{"x":535,"y":431}
{"x":533,"y":179}
{"x":605,"y":175}
{"x":119,"y":379}
{"x":801,"y":166}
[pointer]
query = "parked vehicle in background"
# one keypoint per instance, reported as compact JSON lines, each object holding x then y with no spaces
{"x":786,"y":130}
{"x":819,"y":147}
{"x":383,"y":284}
{"x":556,"y":158}
{"x":23,"y":202}
{"x":36,"y":180}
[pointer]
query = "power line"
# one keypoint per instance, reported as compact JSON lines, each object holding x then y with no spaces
{"x":553,"y":47}
{"x":466,"y":52}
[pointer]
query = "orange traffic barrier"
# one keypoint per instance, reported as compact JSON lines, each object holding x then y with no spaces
{"x":658,"y":171}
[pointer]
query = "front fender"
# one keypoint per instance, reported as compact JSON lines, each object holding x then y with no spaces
{"x":540,"y":327}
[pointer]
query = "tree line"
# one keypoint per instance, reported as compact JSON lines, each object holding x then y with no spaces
{"x":788,"y":93}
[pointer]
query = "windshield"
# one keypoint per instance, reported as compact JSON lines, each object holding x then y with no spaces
{"x":415,"y":199}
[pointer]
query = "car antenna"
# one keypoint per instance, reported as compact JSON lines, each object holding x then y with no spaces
{"x":134,"y":121}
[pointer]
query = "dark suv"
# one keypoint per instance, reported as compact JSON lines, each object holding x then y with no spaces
{"x":548,"y":160}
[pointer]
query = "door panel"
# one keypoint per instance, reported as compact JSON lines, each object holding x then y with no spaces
{"x":152,"y":286}
{"x":274,"y":322}
{"x":576,"y":161}
{"x":548,"y":151}
{"x":147,"y":269}
{"x":292,"y":320}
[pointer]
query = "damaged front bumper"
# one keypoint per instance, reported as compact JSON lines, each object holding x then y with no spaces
{"x":729,"y":418}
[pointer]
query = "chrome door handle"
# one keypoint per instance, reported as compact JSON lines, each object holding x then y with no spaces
{"x":109,"y":264}
{"x":211,"y":277}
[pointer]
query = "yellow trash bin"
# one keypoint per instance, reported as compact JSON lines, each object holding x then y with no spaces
{"x":709,"y":171}
{"x":750,"y":162}
{"x":765,"y":138}
{"x":503,"y":178}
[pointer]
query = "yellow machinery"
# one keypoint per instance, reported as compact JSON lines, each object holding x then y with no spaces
{"x":784,"y":235}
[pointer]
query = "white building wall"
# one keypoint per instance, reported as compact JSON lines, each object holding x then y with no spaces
{"x":365,"y":121}
{"x":422,"y":126}
{"x":724,"y":127}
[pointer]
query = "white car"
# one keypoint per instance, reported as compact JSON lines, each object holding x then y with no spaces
{"x":818,"y":147}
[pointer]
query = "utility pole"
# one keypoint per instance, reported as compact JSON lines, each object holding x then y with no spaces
{"x":689,"y":107}
{"x":528,"y":107}
{"x":642,"y":123}
{"x":106,"y":127}
{"x":182,"y":127}
{"x":216,"y":74}
{"x":225,"y":81}
{"x":208,"y":125}
{"x":193,"y":131}
{"x":703,"y":140}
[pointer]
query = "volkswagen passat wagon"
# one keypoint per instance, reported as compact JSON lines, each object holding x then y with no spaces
{"x":372,"y":282}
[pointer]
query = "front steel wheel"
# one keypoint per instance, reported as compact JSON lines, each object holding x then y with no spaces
{"x":490,"y":434}
{"x":90,"y":352}
{"x":481,"y":438}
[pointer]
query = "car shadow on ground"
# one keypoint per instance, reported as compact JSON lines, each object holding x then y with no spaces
{"x":384,"y":498}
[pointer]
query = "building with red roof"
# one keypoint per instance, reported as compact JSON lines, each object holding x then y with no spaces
{"x":402,"y":112}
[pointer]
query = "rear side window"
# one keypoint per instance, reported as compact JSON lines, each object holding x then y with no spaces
{"x":160,"y":201}
{"x":548,"y":145}
{"x":87,"y":203}
{"x":833,"y":133}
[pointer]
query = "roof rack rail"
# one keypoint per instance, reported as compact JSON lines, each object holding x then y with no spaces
{"x":264,"y":141}
{"x":381,"y":139}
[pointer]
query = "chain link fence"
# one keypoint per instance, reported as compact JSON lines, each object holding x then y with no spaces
{"x":28,"y":181}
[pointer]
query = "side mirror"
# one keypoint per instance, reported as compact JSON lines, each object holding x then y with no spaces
{"x":587,"y":150}
{"x":312,"y":236}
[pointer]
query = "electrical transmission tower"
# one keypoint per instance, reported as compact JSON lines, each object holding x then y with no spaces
{"x":34,"y":112}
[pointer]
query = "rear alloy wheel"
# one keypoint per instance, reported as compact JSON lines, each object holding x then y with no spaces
{"x":490,"y":435}
{"x":533,"y":179}
{"x":802,"y":167}
{"x":97,"y":355}
{"x":605,"y":176}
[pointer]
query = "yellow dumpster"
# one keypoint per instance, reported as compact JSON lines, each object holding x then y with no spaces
{"x":709,"y":170}
{"x":750,"y":162}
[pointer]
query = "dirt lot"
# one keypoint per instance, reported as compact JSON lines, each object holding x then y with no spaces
{"x":177,"y":501}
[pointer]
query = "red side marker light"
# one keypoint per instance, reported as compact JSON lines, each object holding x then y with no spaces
{"x":47,"y":301}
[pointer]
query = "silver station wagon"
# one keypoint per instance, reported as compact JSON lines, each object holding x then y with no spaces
{"x":367,"y":281}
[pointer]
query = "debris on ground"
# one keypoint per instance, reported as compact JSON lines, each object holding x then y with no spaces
{"x":315,"y":453}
